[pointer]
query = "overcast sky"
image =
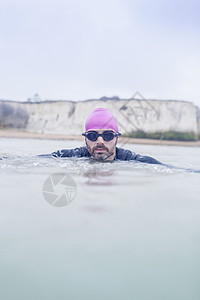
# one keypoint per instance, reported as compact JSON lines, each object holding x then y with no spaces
{"x":83,"y":49}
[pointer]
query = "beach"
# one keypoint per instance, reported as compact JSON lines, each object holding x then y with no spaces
{"x":8,"y":133}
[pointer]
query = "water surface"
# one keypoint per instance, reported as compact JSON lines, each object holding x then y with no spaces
{"x":131,"y":232}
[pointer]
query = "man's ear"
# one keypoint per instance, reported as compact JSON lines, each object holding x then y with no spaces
{"x":86,"y":142}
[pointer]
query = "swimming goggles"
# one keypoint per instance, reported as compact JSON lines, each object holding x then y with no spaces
{"x":107,"y":135}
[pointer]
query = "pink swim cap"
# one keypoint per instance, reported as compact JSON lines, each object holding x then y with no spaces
{"x":101,"y":118}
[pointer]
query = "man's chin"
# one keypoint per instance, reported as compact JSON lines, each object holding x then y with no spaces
{"x":100,"y":156}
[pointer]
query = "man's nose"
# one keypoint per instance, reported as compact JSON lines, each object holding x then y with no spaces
{"x":100,"y":139}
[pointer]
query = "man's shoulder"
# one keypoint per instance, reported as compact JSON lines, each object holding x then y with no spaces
{"x":124,"y":154}
{"x":76,"y":152}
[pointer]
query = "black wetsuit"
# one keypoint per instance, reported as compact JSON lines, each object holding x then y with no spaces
{"x":121,"y":154}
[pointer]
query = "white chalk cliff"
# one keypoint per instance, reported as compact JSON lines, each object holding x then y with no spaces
{"x":68,"y":117}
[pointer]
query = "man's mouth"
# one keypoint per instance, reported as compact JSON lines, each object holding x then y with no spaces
{"x":100,"y":149}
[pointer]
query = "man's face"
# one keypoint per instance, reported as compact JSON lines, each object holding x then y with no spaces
{"x":100,"y":149}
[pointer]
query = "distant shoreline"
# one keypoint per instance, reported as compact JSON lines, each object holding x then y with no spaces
{"x":31,"y":135}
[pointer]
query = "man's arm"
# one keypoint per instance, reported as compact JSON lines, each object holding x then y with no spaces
{"x":151,"y":160}
{"x":77,"y":152}
{"x":147,"y":159}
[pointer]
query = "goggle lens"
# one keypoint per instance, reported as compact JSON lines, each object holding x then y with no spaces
{"x":108,"y":135}
{"x":92,"y":136}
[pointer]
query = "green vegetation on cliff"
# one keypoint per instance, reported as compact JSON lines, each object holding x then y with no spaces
{"x":167,"y":135}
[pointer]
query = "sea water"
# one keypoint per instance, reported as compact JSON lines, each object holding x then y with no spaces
{"x":127,"y":230}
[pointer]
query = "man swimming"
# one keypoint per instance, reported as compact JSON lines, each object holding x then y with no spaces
{"x":101,"y":137}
